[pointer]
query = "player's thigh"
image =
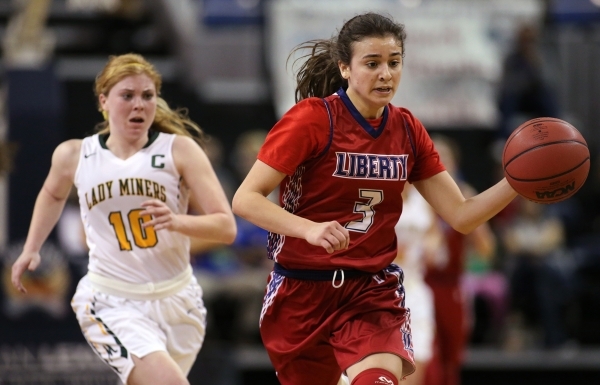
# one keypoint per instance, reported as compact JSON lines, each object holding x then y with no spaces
{"x":315,"y":366}
{"x":295,"y":331}
{"x":156,"y":368}
{"x":375,"y":323}
{"x":115,"y":329}
{"x":184,"y":325}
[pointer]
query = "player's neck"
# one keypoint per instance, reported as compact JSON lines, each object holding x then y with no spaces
{"x":123,"y":147}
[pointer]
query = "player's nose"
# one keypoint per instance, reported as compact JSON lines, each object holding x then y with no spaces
{"x":138,"y":104}
{"x":385,"y":73}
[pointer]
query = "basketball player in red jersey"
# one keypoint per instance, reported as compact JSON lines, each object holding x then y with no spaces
{"x":443,"y":275}
{"x":341,"y":156}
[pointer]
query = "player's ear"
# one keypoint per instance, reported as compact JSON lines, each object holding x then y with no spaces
{"x":102,"y":101}
{"x":344,"y":70}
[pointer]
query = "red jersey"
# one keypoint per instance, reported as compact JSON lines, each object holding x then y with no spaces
{"x":340,"y":168}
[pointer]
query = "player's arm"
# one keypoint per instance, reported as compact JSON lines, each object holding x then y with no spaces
{"x":200,"y":245}
{"x":48,"y":207}
{"x":464,"y":214}
{"x":217,"y":223}
{"x":251,"y":203}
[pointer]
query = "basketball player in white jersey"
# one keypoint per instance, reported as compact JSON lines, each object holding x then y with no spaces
{"x":419,"y":239}
{"x":139,"y":307}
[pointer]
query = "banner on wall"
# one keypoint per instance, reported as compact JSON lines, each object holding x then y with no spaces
{"x":454,"y":51}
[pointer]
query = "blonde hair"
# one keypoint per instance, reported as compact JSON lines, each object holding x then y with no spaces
{"x":166,"y":120}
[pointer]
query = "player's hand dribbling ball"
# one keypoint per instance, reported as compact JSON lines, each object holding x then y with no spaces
{"x":546,"y":160}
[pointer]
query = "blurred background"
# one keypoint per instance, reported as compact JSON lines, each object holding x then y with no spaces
{"x":474,"y":70}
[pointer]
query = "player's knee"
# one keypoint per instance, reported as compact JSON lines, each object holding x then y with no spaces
{"x":375,"y":376}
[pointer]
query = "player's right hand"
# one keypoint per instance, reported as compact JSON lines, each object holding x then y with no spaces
{"x":26,"y":261}
{"x":330,"y":235}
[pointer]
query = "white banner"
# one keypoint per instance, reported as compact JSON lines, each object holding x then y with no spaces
{"x":454,"y":51}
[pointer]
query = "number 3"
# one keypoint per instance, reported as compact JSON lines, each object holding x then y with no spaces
{"x":374,"y":197}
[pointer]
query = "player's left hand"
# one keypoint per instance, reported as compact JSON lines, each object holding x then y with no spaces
{"x":162,"y":216}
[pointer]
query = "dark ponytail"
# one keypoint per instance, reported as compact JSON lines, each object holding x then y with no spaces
{"x":319,"y":75}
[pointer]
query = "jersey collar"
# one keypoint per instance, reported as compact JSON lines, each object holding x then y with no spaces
{"x":360,"y":119}
{"x":152,"y":135}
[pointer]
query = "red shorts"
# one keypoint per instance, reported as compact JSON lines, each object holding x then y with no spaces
{"x":313,"y":331}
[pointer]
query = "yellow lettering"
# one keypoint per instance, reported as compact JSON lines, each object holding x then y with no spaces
{"x":155,"y":189}
{"x":163,"y":195}
{"x":148,"y":185}
{"x":139,"y":186}
{"x":94,"y":199}
{"x":109,"y":187}
{"x":101,"y":194}
{"x":124,"y":187}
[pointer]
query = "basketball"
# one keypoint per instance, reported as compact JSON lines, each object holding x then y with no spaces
{"x":546,"y":160}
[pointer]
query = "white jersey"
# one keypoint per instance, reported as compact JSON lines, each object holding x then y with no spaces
{"x":415,"y":221}
{"x":111,"y":191}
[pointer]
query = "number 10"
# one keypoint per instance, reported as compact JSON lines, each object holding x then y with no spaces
{"x":142,"y":237}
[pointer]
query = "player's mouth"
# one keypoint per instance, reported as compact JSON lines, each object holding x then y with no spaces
{"x":384,"y":90}
{"x":136,"y":120}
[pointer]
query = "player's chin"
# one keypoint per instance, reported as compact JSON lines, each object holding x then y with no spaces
{"x":383,"y":96}
{"x":137,"y":128}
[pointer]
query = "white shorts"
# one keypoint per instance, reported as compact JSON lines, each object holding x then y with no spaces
{"x":419,"y":299}
{"x":117,"y":328}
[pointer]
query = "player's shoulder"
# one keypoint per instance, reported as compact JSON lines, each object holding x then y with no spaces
{"x":310,"y":112}
{"x":69,"y":147}
{"x":182,"y":142}
{"x":405,"y":114}
{"x":309,"y":105}
{"x":186,"y":150}
{"x":403,"y":111}
{"x":67,"y":153}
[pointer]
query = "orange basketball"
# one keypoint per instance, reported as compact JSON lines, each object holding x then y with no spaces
{"x":546,"y":160}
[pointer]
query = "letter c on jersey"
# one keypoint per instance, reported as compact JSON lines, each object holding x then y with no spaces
{"x":155,"y":163}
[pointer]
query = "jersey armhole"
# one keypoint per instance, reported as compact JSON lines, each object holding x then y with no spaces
{"x":330,"y":129}
{"x":410,"y":137}
{"x":171,"y":156}
{"x":79,"y":162}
